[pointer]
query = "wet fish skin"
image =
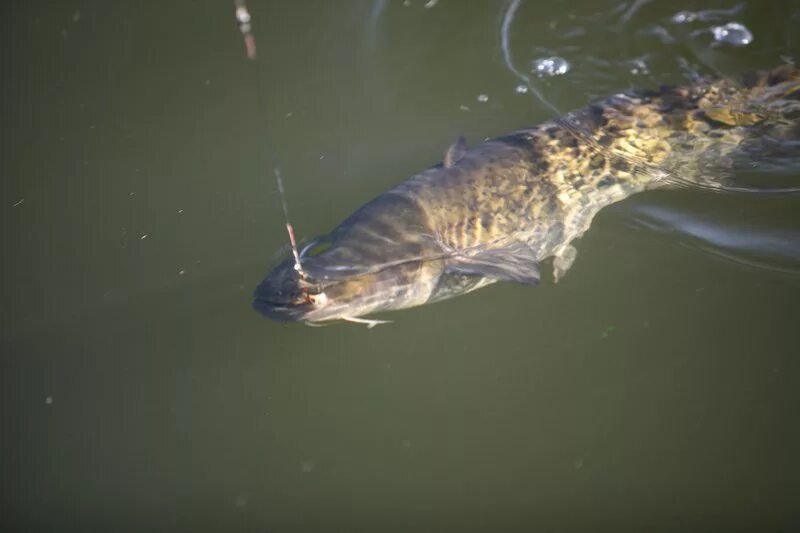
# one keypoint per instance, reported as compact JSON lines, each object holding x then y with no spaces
{"x":497,"y":210}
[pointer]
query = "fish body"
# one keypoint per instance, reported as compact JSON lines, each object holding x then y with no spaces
{"x":496,"y":211}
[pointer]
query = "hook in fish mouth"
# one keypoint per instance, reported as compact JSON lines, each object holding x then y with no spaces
{"x":285,"y":294}
{"x":313,"y":298}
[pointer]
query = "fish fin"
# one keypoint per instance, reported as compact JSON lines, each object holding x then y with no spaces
{"x":516,"y":262}
{"x":563,"y":260}
{"x":455,"y":152}
{"x":369,"y":322}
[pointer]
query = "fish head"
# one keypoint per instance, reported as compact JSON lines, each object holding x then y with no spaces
{"x":321,"y":291}
{"x":380,"y":258}
{"x":284,"y":295}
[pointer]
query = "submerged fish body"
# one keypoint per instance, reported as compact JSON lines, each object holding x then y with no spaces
{"x":495,"y":212}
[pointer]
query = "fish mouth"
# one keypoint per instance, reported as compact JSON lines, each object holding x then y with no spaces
{"x":280,"y":311}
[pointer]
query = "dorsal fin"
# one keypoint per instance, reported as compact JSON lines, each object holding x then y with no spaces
{"x":455,"y":152}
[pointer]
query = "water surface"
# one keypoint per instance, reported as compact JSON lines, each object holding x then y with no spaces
{"x":655,"y":388}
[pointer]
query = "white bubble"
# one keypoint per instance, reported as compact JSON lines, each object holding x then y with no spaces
{"x":550,"y":66}
{"x":483,"y":98}
{"x":638,"y":66}
{"x":682,"y":17}
{"x":732,"y":33}
{"x":521,"y":89}
{"x":687,"y":17}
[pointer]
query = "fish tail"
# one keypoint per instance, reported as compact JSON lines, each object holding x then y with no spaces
{"x":778,"y":91}
{"x":767,"y":98}
{"x":730,"y":125}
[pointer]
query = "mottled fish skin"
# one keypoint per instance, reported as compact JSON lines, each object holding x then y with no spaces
{"x":493,"y":212}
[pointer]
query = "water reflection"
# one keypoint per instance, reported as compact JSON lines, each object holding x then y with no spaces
{"x":772,"y":248}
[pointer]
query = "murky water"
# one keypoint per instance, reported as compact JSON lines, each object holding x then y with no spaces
{"x":655,"y":388}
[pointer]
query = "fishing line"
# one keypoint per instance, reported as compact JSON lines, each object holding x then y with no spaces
{"x":372,"y":21}
{"x":505,"y":30}
{"x":244,"y":19}
{"x":297,"y":266}
{"x":636,"y":5}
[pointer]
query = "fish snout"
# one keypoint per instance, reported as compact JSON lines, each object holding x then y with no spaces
{"x":283,"y":295}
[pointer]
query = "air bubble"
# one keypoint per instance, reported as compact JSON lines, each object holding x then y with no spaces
{"x":550,"y":66}
{"x":683,"y":17}
{"x":521,"y":89}
{"x":638,"y":66}
{"x":483,"y":98}
{"x":732,"y":33}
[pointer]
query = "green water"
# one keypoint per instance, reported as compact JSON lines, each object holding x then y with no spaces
{"x":655,"y":389}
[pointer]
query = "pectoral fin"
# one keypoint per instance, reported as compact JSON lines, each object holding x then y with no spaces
{"x":455,"y":152}
{"x":516,"y":262}
{"x":563,"y":260}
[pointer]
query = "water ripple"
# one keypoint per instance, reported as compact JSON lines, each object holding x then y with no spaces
{"x":772,"y":248}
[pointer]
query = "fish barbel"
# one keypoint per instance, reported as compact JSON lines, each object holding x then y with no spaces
{"x":496,"y":211}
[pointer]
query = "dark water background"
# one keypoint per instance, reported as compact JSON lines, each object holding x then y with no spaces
{"x":656,"y":388}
